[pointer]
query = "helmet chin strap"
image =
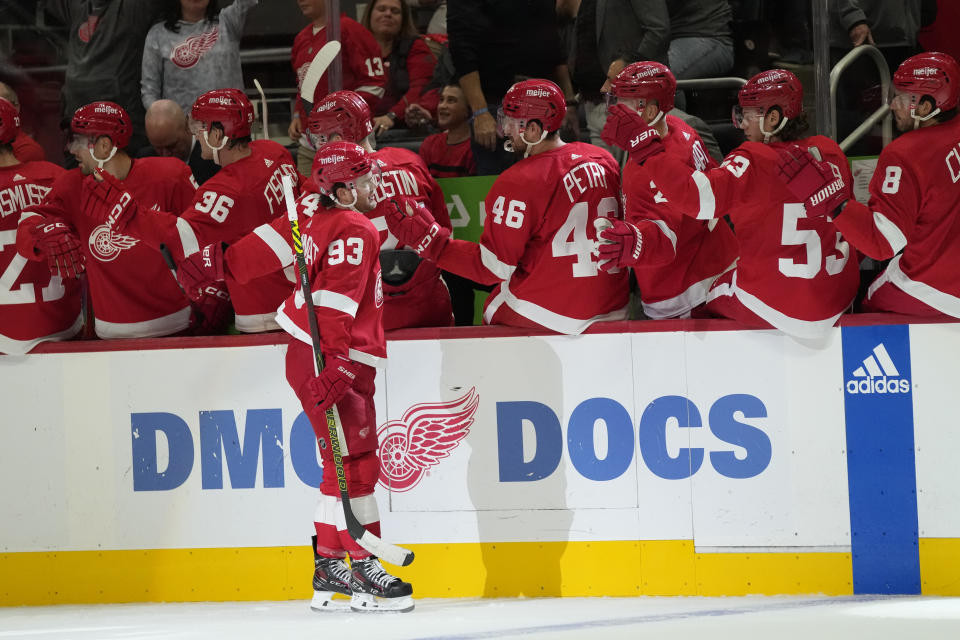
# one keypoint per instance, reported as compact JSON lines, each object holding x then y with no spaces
{"x":918,"y":119}
{"x":351,"y":206}
{"x":769,"y":134}
{"x":660,"y":115}
{"x":104,"y":161}
{"x":215,"y":150}
{"x":508,"y":143}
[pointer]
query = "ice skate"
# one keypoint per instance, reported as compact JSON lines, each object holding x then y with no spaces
{"x":376,"y":590}
{"x":330,"y":576}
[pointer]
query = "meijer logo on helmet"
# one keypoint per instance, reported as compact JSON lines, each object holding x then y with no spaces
{"x":221,"y":100}
{"x":332,"y":159}
{"x":538,"y":93}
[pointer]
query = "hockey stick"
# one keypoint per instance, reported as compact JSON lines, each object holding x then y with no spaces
{"x":263,"y":109}
{"x":315,"y":71}
{"x":383,"y":550}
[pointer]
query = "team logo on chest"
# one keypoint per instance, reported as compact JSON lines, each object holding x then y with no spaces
{"x":188,"y":53}
{"x":105,"y":243}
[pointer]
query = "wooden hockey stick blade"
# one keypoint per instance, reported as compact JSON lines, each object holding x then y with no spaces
{"x":263,"y":109}
{"x":315,"y":71}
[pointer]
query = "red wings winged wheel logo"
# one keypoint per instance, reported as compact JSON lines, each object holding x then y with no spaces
{"x":425,"y":435}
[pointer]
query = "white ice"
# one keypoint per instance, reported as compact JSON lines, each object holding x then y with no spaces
{"x":674,"y":618}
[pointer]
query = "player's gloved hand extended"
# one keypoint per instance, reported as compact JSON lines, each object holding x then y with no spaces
{"x":201,"y":270}
{"x":620,"y":246}
{"x":414,"y":227}
{"x":52,"y":241}
{"x":338,"y":376}
{"x":625,"y":128}
{"x":105,"y":200}
{"x":817,"y":184}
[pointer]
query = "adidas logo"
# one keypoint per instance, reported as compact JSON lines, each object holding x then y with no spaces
{"x":574,"y":156}
{"x":268,"y":162}
{"x":878,"y":375}
{"x":18,"y":178}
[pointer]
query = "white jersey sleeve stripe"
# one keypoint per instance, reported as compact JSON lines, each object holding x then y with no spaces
{"x":890,"y":231}
{"x":493,"y":264}
{"x":336,"y":301}
{"x":667,"y":231}
{"x":276,"y":242}
{"x":708,"y":203}
{"x":372,"y":90}
{"x":188,"y":239}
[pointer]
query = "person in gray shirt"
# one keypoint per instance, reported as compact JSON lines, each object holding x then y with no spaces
{"x":195,"y":49}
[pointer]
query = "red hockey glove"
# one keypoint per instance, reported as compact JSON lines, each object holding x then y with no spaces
{"x":211,"y":310}
{"x":200,"y":270}
{"x":620,"y":245}
{"x":414,"y":227}
{"x":817,"y":184}
{"x":337,"y":377}
{"x":625,"y":128}
{"x":54,"y":241}
{"x":107,"y":201}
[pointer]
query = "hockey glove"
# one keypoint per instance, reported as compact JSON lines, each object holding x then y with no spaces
{"x":817,"y":184}
{"x":211,"y":310}
{"x":54,"y":241}
{"x":414,"y":227}
{"x":200,"y":270}
{"x":620,"y":245}
{"x":107,"y":201}
{"x":625,"y":128}
{"x":337,"y":377}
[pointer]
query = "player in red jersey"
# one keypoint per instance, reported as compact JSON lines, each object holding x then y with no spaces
{"x":244,"y":194}
{"x":362,"y":67}
{"x":133,"y":292}
{"x":25,"y":148}
{"x":416,"y":296}
{"x":795,"y":271}
{"x":539,"y":243}
{"x":913,"y":214}
{"x":341,"y":247}
{"x":37,"y":302}
{"x":448,"y":153}
{"x":675,"y":259}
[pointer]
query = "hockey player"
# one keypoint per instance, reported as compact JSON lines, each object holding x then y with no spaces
{"x":913,"y":214}
{"x":38,"y":300}
{"x":363,"y":69}
{"x":133,"y":292}
{"x":675,"y":259}
{"x":244,"y":194}
{"x":415,"y":295}
{"x":341,"y":249}
{"x":539,"y":242}
{"x":795,"y":271}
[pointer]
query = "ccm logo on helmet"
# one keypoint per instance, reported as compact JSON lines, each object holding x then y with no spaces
{"x":538,"y":93}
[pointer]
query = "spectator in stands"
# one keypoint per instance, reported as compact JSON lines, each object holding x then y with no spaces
{"x":104,"y":49}
{"x":448,"y":153}
{"x":407,"y":61}
{"x":701,"y":40}
{"x":492,"y":42}
{"x":890,"y":25}
{"x":438,"y":21}
{"x":169,"y":134}
{"x":361,"y":66}
{"x":608,"y":35}
{"x":25,"y":148}
{"x":196,"y":48}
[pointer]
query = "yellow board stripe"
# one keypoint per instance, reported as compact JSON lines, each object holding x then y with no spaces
{"x":619,"y":568}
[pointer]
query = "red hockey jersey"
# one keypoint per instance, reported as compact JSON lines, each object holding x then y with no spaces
{"x":681,"y":257}
{"x":402,"y":172}
{"x":34,"y":305}
{"x":340,"y":248}
{"x":362,"y":66}
{"x":447,"y":160}
{"x":133,"y":292}
{"x":240,"y":197}
{"x":795,"y":272}
{"x":914,"y":211}
{"x":540,"y":244}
